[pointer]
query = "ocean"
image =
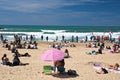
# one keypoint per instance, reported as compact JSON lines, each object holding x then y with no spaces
{"x":52,"y":31}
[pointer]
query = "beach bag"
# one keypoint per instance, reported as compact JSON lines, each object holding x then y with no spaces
{"x":71,"y":72}
{"x":89,"y":53}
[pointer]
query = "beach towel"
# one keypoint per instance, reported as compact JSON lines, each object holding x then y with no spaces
{"x":71,"y":72}
{"x":101,"y":68}
{"x":47,"y":69}
{"x":115,"y":71}
{"x":98,"y":67}
{"x":89,"y":53}
{"x":92,"y":52}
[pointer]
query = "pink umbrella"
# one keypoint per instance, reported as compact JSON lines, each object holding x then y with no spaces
{"x":53,"y":55}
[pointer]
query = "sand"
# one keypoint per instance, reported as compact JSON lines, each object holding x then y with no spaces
{"x":78,"y":61}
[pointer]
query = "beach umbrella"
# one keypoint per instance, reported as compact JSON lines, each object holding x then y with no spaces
{"x":53,"y":55}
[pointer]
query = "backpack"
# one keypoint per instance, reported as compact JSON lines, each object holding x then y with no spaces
{"x":71,"y":72}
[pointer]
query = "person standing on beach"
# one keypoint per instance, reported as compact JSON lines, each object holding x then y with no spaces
{"x":47,"y":38}
{"x":119,"y":38}
{"x":76,"y":38}
{"x":86,"y":39}
{"x":63,"y":37}
{"x":56,"y":38}
{"x":42,"y":37}
{"x":31,"y":37}
{"x":26,"y":37}
{"x":72,"y":38}
{"x":110,"y":33}
{"x":91,"y":38}
{"x":1,"y":36}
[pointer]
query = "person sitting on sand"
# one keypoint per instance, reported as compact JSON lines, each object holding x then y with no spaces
{"x":16,"y":61}
{"x":60,"y":66}
{"x":94,"y":45}
{"x":114,"y":48}
{"x":9,"y":47}
{"x":72,"y":45}
{"x":99,"y":50}
{"x":5,"y":60}
{"x":114,"y":67}
{"x":108,"y":47}
{"x":6,"y":45}
{"x":55,"y":66}
{"x":102,"y":45}
{"x":28,"y":46}
{"x":13,"y":49}
{"x":67,"y":53}
{"x":89,"y":45}
{"x":17,"y":53}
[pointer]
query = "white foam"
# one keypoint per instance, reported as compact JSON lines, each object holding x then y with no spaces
{"x":58,"y":33}
{"x":55,"y":31}
{"x":4,"y":29}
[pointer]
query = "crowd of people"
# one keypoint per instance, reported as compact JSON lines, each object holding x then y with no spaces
{"x":13,"y":46}
{"x":18,"y":43}
{"x":15,"y":61}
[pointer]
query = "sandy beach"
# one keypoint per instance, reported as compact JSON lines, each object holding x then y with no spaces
{"x":78,"y":61}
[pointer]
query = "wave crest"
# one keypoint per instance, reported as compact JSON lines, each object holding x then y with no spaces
{"x":54,"y":31}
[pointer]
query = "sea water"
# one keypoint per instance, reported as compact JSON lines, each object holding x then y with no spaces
{"x":37,"y":31}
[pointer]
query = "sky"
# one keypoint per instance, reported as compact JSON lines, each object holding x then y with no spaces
{"x":60,"y":12}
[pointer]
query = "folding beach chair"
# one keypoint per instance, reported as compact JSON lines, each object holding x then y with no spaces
{"x":47,"y":69}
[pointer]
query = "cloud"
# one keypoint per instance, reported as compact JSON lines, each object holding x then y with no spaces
{"x":90,"y":0}
{"x":52,"y":12}
{"x":39,"y":5}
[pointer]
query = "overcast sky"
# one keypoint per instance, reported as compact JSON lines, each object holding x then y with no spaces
{"x":60,"y":12}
